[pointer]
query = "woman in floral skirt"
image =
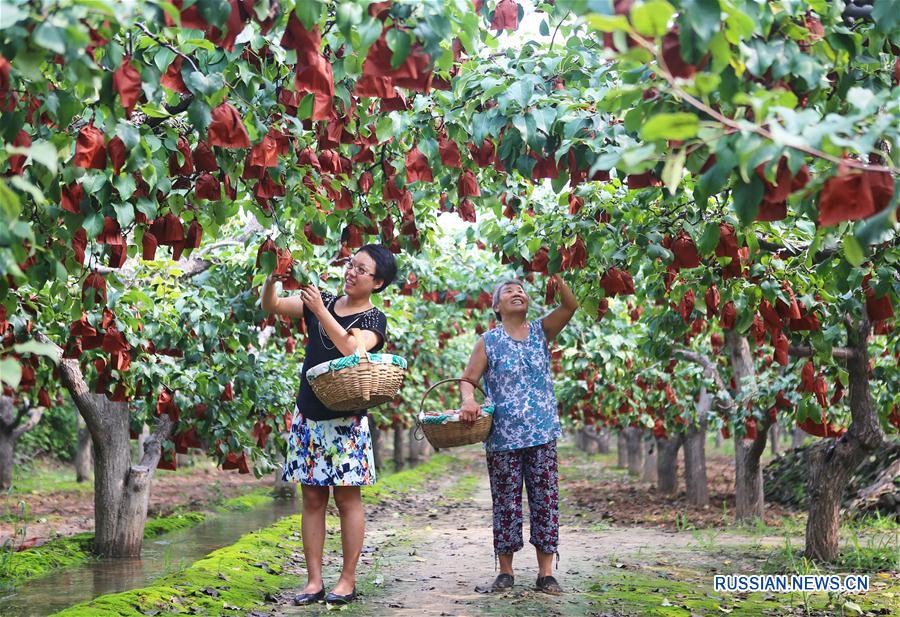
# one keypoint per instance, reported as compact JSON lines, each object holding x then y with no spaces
{"x":329,"y":449}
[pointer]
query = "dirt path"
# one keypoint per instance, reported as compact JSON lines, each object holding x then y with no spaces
{"x":426,"y":552}
{"x":427,"y":549}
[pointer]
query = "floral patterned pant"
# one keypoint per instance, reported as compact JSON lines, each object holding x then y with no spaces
{"x":537,"y":466}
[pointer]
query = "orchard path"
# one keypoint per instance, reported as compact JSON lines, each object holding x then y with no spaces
{"x":426,"y":551}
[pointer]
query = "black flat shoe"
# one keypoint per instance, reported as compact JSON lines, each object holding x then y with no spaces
{"x":309,"y":598}
{"x":501,"y":583}
{"x":548,"y":584}
{"x":335,"y":598}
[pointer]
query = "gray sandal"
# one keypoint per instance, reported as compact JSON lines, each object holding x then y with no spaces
{"x":503,"y":582}
{"x":548,"y":584}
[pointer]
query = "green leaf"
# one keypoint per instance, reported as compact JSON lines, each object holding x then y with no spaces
{"x":9,"y":201}
{"x":207,"y":85}
{"x":398,"y":42}
{"x":369,"y":31}
{"x":348,"y":15}
{"x":708,"y":239}
{"x":44,"y":153}
{"x":200,"y":115}
{"x":704,"y":17}
{"x":50,"y":37}
{"x":124,"y":212}
{"x":746,"y":198}
{"x":679,"y":125}
{"x":93,"y":225}
{"x":885,"y":15}
{"x":10,"y":372}
{"x":853,"y":252}
{"x":672,"y":170}
{"x":39,"y":349}
{"x":10,"y":14}
{"x":308,"y":12}
{"x":652,"y":18}
{"x":215,"y":12}
{"x":608,"y":23}
{"x":305,"y":108}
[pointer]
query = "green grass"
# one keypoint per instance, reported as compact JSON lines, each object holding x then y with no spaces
{"x":402,"y":481}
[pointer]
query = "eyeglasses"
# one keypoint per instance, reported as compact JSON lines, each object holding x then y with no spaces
{"x":359,"y":270}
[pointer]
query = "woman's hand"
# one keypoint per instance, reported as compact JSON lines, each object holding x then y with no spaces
{"x":312,"y":299}
{"x":469,"y":411}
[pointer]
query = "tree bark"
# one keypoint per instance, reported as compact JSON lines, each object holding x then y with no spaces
{"x":83,"y":459}
{"x":121,"y":490}
{"x":774,"y":437}
{"x":377,"y":447}
{"x":695,"y":482}
{"x":13,"y":424}
{"x":797,"y":437}
{"x":621,"y":449}
{"x":650,"y":458}
{"x":415,"y":451}
{"x":590,"y":443}
{"x":603,"y":441}
{"x":667,"y":464}
{"x":399,"y":458}
{"x":282,"y":489}
{"x":718,"y":441}
{"x":748,"y":480}
{"x":832,"y":461}
{"x":634,"y":438}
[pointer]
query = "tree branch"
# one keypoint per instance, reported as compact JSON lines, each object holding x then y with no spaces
{"x":34,"y":416}
{"x":746,"y":125}
{"x":709,"y":370}
{"x":804,"y":351}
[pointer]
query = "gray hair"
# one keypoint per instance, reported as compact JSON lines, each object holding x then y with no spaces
{"x":499,"y":288}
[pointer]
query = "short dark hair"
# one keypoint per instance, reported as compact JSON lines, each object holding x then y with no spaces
{"x":385,"y":264}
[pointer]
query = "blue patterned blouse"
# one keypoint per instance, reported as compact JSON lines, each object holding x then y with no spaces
{"x":519,"y":383}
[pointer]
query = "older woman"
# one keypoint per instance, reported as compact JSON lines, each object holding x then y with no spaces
{"x":327,"y":448}
{"x":514,"y":359}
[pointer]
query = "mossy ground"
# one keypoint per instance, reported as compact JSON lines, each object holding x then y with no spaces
{"x":230,"y":581}
{"x":17,"y":567}
{"x":242,"y":577}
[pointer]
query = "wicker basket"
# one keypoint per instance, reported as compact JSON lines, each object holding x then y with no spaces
{"x":357,"y":382}
{"x":451,"y":433}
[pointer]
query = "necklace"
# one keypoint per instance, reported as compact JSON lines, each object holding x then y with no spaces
{"x":324,"y":335}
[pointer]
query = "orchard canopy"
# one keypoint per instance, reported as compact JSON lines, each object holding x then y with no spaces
{"x":699,"y":170}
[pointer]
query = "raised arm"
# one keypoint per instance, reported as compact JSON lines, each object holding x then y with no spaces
{"x":271,"y":303}
{"x":560,"y":316}
{"x":478,"y":362}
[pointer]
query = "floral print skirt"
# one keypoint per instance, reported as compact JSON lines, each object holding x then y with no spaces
{"x":330,"y":452}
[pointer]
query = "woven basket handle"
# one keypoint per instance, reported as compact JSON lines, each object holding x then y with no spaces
{"x":417,"y":433}
{"x":363,"y":354}
{"x":443,"y":381}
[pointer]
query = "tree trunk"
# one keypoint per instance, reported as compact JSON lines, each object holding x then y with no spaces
{"x":399,"y":459}
{"x":13,"y":424}
{"x":121,"y":490}
{"x":695,"y":482}
{"x":832,"y":461}
{"x":667,"y":464}
{"x":774,"y":439}
{"x":7,"y":455}
{"x":634,"y":438}
{"x":621,"y":449}
{"x":376,"y":447}
{"x":83,"y":458}
{"x":282,"y":489}
{"x":589,"y":439}
{"x":650,"y":457}
{"x":603,"y":441}
{"x":415,"y":450}
{"x":797,"y":437}
{"x":748,"y":480}
{"x":719,"y":440}
{"x":141,"y":438}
